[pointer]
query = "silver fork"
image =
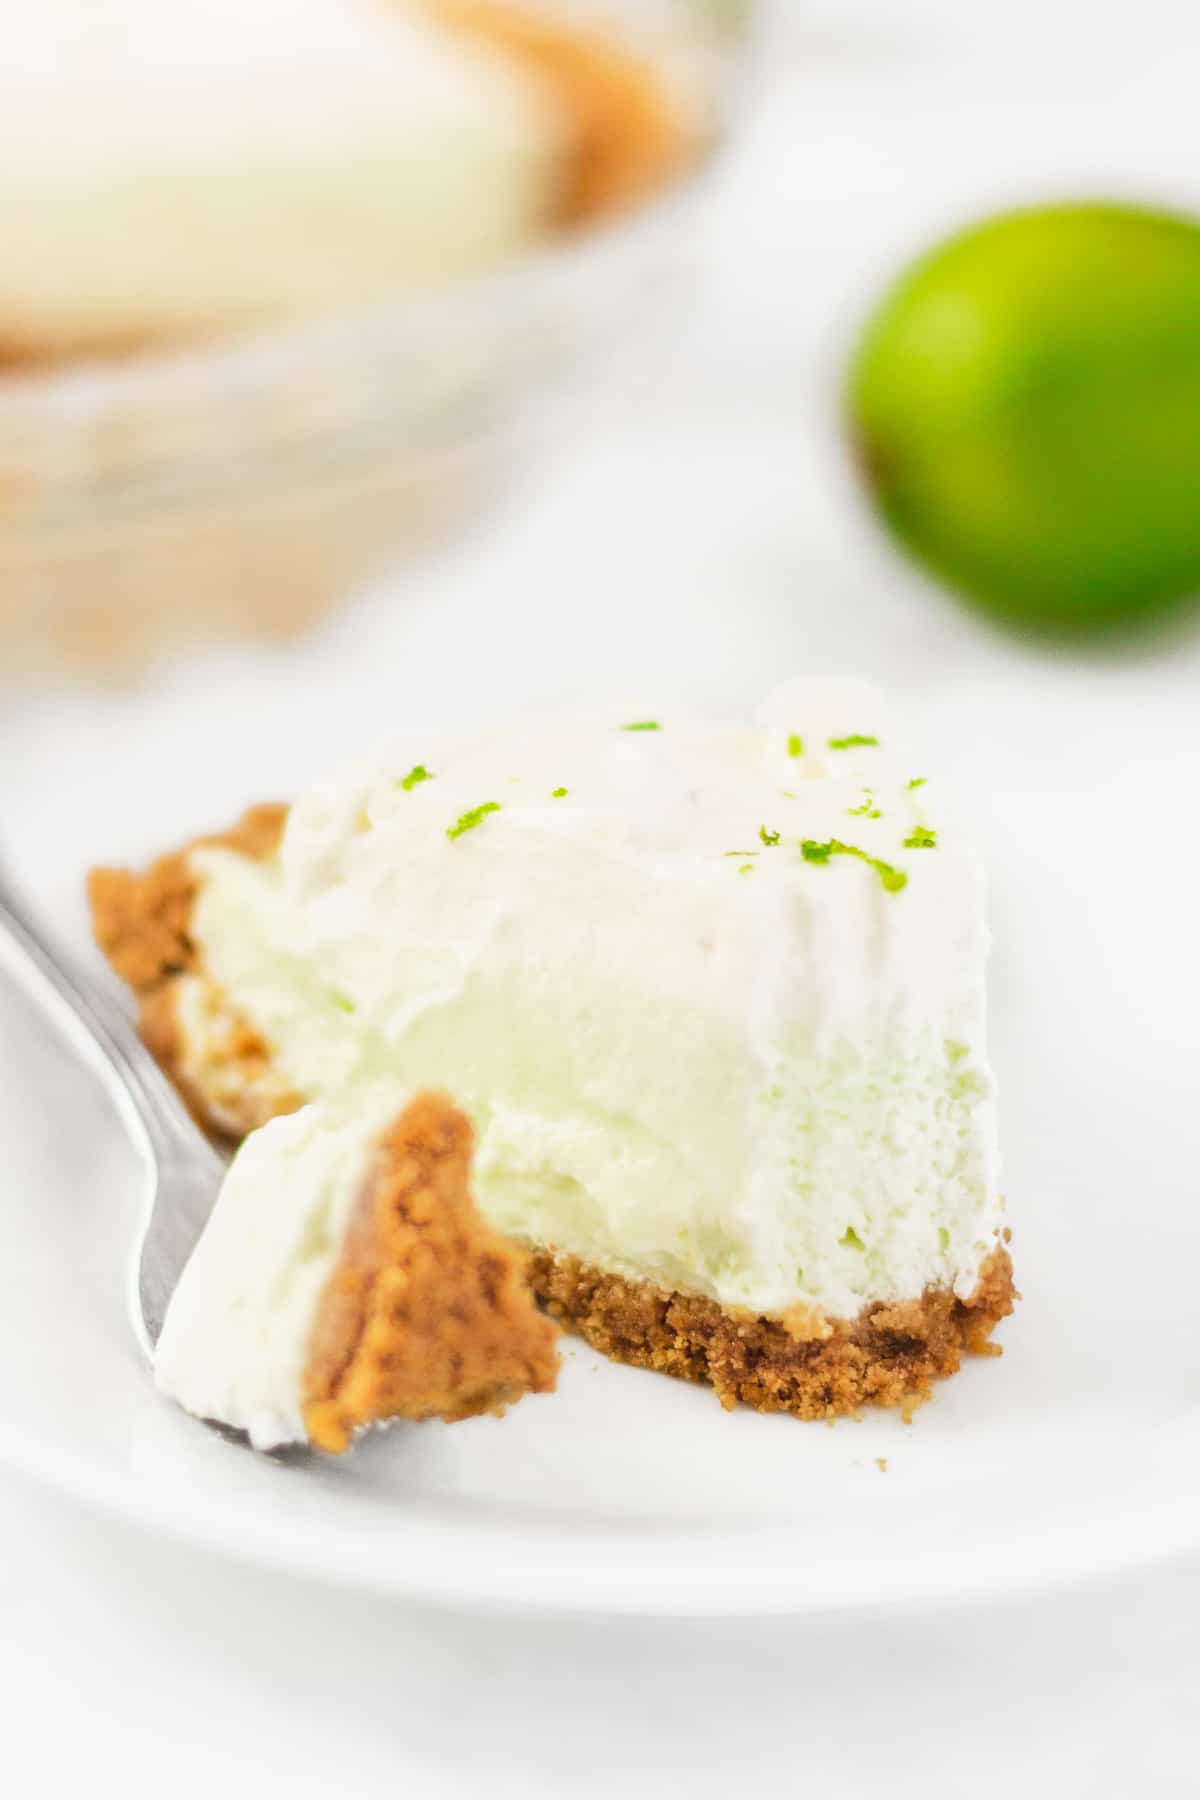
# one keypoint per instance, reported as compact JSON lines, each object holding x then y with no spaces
{"x":182,"y":1170}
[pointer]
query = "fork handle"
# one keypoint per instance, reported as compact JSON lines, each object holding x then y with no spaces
{"x":96,"y":1028}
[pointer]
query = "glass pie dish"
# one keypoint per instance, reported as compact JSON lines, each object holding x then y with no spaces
{"x":245,"y":484}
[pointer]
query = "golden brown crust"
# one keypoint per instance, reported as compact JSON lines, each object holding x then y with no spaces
{"x":887,"y":1356}
{"x":628,"y":138}
{"x":141,"y":921}
{"x":27,"y":352}
{"x":428,"y":1313}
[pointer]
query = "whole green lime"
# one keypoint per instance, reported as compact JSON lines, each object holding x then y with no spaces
{"x":1026,"y":406}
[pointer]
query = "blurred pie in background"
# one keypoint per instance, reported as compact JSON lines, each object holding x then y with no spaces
{"x":282,"y":284}
{"x":189,"y":169}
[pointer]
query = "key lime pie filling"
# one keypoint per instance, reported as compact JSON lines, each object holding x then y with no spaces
{"x":713,"y":996}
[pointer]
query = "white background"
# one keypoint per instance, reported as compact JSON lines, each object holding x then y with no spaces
{"x":707,"y":534}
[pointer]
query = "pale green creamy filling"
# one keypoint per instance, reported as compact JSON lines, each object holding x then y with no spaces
{"x":768,"y":1088}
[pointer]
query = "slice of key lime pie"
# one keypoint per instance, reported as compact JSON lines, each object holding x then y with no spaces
{"x":712,"y":995}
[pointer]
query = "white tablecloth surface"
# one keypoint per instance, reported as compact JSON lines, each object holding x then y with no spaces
{"x":723,"y":502}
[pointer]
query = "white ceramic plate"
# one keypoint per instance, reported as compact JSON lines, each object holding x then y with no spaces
{"x":1077,"y":1452}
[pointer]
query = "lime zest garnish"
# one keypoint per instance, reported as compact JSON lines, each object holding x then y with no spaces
{"x":746,"y":869}
{"x":739,"y":853}
{"x":343,"y":1002}
{"x":868,"y":809}
{"x":643,"y":725}
{"x":416,"y":775}
{"x":892,"y":879}
{"x":559,"y":794}
{"x":471,"y":819}
{"x":850,"y":1239}
{"x":916,"y":782}
{"x":795,"y":745}
{"x":921,"y":838}
{"x":943,"y":1238}
{"x":857,"y":740}
{"x":767,"y":837}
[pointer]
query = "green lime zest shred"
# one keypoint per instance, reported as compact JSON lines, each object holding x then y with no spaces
{"x":857,"y":740}
{"x":416,"y":775}
{"x":746,"y":869}
{"x":343,"y":1002}
{"x":471,"y":819}
{"x":643,"y":725}
{"x":916,"y":782}
{"x":559,"y":794}
{"x":795,"y":745}
{"x":767,"y":837}
{"x":943,"y":1238}
{"x":850,"y":1239}
{"x":893,"y":879}
{"x":921,"y":838}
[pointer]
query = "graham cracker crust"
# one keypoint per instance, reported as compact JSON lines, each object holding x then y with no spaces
{"x":141,"y":921}
{"x":888,"y":1356}
{"x":428,"y":1313}
{"x":628,"y":139}
{"x":802,"y":1364}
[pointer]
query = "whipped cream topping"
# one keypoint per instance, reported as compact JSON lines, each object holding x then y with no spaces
{"x":713,"y":993}
{"x":235,"y":1341}
{"x":211,"y":162}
